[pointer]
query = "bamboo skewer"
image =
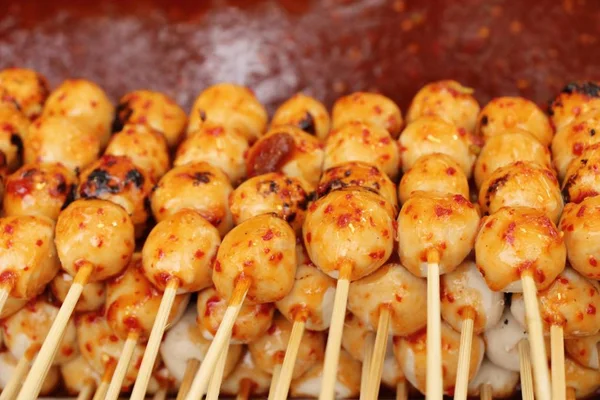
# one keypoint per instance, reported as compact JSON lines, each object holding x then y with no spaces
{"x":121,"y":369}
{"x":366,"y":365}
{"x":401,"y":390}
{"x":14,"y":384}
{"x":486,"y":392}
{"x":190,"y":371}
{"x":434,"y":334}
{"x":376,"y":365}
{"x":86,"y":392}
{"x":214,"y":385}
{"x":557,"y":349}
{"x":464,"y":357}
{"x":525,"y":370}
{"x":287,"y":368}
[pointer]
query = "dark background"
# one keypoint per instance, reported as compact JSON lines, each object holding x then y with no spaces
{"x":325,"y":48}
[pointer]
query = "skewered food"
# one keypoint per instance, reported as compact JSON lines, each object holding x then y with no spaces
{"x":304,"y":112}
{"x":576,"y":99}
{"x":92,"y":298}
{"x":26,"y":88}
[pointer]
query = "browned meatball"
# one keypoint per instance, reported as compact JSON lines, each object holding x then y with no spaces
{"x":221,"y":146}
{"x":289,"y":150}
{"x":39,"y":189}
{"x":505,"y":114}
{"x":439,"y":222}
{"x":92,"y":297}
{"x":146,"y":147}
{"x":577,"y":98}
{"x":305,"y":112}
{"x":200,"y":187}
{"x":371,"y":108}
{"x":182,"y":246}
{"x":263,"y":250}
{"x":361,"y":174}
{"x":13,"y":129}
{"x":154,"y":109}
{"x":73,"y":147}
{"x":27,"y":88}
{"x":270,"y":193}
{"x":118,"y":179}
{"x":97,"y":232}
{"x":582,"y":180}
{"x":515,"y":241}
{"x":230,"y":105}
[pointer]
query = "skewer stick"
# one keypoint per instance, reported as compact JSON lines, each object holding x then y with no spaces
{"x":207,"y":366}
{"x":86,"y":392}
{"x":401,"y":390}
{"x":525,"y":370}
{"x":121,"y":370}
{"x":245,"y":389}
{"x":190,"y":371}
{"x":39,"y":370}
{"x":274,"y":380}
{"x":557,"y":349}
{"x":104,"y":382}
{"x":214,"y":385}
{"x":4,"y":291}
{"x":14,"y":384}
{"x":434,"y":333}
{"x":486,"y":392}
{"x":366,"y":364}
{"x":536,"y":339}
{"x":158,"y":329}
{"x":334,"y":340}
{"x":160,"y":395}
{"x":376,"y":367}
{"x":464,"y":356}
{"x":287,"y":368}
{"x":571,"y":394}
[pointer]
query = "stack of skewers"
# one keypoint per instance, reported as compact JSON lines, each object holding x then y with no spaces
{"x":148,"y":253}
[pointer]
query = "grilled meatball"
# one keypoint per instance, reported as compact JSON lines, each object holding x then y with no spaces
{"x":411,"y":353}
{"x":505,"y":114}
{"x":289,"y":150}
{"x":581,"y":180}
{"x":571,"y":140}
{"x":359,"y":141}
{"x":577,"y":98}
{"x":218,"y":145}
{"x":154,"y":109}
{"x":252,"y":322}
{"x":200,"y":187}
{"x":357,"y":219}
{"x":77,"y":374}
{"x":118,"y":179}
{"x":464,"y":294}
{"x":583,"y":381}
{"x":311,"y":298}
{"x":13,"y":129}
{"x":146,"y":147}
{"x":39,"y":189}
{"x":262,"y":249}
{"x":28,"y":258}
{"x":85,"y":104}
{"x":430,"y":135}
{"x":522,"y":184}
{"x":515,"y":241}
{"x":246,"y":374}
{"x":584,"y":350}
{"x":84,"y":232}
{"x":371,"y":108}
{"x":446,"y":224}
{"x":7,"y":367}
{"x":270,"y":193}
{"x":502,"y":342}
{"x":304,"y":112}
{"x":361,"y":174}
{"x":74,"y":147}
{"x":504,"y":149}
{"x":181,"y":247}
{"x":392,"y":287}
{"x":230,"y":105}
{"x":92,"y":297}
{"x":502,"y":382}
{"x":269,"y":350}
{"x":434,"y":173}
{"x":132,"y":303}
{"x":26,"y":88}
{"x":448,"y":100}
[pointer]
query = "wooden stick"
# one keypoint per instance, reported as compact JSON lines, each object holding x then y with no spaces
{"x":376,"y":367}
{"x":434,"y":329}
{"x":14,"y":384}
{"x":160,"y":395}
{"x":536,"y":339}
{"x":464,"y":357}
{"x":121,"y":369}
{"x":4,"y":292}
{"x":366,"y":364}
{"x":101,"y":391}
{"x":525,"y":370}
{"x":190,"y":371}
{"x":401,"y":390}
{"x":104,"y":382}
{"x":158,"y":329}
{"x":557,"y":349}
{"x":214,"y":386}
{"x":86,"y":392}
{"x":245,"y":389}
{"x":200,"y":382}
{"x":334,"y":340}
{"x":39,"y":370}
{"x":287,"y":368}
{"x":486,"y":392}
{"x":274,"y":380}
{"x":571,"y":394}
